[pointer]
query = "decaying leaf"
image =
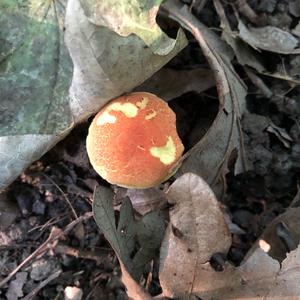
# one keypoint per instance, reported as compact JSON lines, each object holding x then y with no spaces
{"x":269,"y":38}
{"x":281,"y":134}
{"x":223,"y":142}
{"x":34,"y":79}
{"x":197,"y":230}
{"x":169,"y":84}
{"x":148,"y":231}
{"x":134,"y":17}
{"x":257,"y":275}
{"x":105,"y":63}
{"x":245,"y":55}
{"x":36,"y":72}
{"x":296,"y":30}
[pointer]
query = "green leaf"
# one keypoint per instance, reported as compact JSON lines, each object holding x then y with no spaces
{"x":121,"y":238}
{"x":35,"y":70}
{"x":148,"y":231}
{"x":35,"y":75}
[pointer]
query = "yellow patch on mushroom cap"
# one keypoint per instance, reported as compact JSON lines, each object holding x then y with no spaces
{"x":166,"y":153}
{"x":151,"y":115}
{"x":128,"y":109}
{"x":106,"y":118}
{"x":143,"y":103}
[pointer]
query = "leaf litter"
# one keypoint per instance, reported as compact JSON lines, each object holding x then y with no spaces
{"x":36,"y":32}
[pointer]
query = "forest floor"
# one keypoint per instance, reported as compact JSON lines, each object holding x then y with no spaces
{"x":49,"y":241}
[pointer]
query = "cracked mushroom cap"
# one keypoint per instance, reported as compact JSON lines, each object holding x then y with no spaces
{"x":133,"y":142}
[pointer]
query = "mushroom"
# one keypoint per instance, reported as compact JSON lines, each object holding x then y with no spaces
{"x":133,"y":142}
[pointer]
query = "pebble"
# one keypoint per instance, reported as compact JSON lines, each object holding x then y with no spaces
{"x":73,"y":293}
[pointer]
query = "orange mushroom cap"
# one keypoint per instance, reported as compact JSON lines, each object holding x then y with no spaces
{"x":133,"y":142}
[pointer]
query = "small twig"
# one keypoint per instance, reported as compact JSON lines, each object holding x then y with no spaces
{"x":34,"y":292}
{"x":50,"y":222}
{"x":63,"y":194}
{"x":281,"y":76}
{"x":64,"y":249}
{"x":45,"y":246}
{"x":258,"y":82}
{"x":51,"y":241}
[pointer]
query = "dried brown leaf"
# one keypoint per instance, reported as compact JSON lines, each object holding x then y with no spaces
{"x":269,"y":38}
{"x":223,"y":142}
{"x":245,"y":55}
{"x":189,"y":243}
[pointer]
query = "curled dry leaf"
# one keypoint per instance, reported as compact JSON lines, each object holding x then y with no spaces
{"x":197,"y":230}
{"x":281,"y":134}
{"x":105,"y":65}
{"x":245,"y":55}
{"x":223,"y":142}
{"x":269,"y":38}
{"x":133,"y":289}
